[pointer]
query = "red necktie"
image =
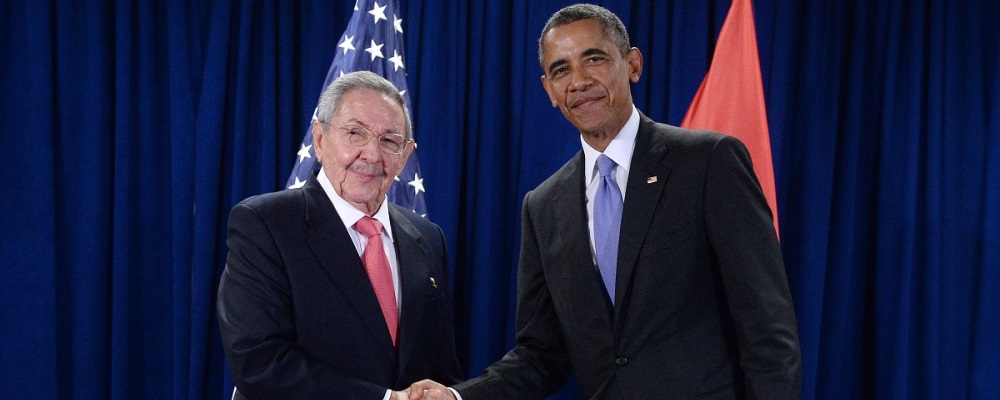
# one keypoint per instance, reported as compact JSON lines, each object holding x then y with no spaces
{"x":377,"y":266}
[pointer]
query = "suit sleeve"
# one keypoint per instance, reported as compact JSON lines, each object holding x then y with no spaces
{"x":258,"y":327}
{"x":746,"y":247}
{"x":538,"y":365}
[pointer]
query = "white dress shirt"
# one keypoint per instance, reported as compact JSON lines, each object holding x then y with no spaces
{"x":620,"y":151}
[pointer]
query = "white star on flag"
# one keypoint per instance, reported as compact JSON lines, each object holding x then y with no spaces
{"x":347,"y":44}
{"x":397,"y":23}
{"x":375,"y":50}
{"x":417,"y":183}
{"x":297,"y":184}
{"x":304,"y":152}
{"x":396,"y":60}
{"x":378,"y":12}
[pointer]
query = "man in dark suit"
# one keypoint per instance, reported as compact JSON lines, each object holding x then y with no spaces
{"x":649,"y":264}
{"x":330,"y":291}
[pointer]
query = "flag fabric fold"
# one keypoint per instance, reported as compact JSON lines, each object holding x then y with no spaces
{"x":731,"y":97}
{"x":373,"y":41}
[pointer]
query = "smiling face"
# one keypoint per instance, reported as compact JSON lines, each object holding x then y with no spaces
{"x":588,"y":79}
{"x":361,"y":175}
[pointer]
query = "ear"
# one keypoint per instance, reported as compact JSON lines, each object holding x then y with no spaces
{"x":320,"y":140}
{"x":634,"y":59}
{"x":548,"y":90}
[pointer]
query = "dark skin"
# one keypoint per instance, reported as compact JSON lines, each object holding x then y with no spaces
{"x":588,"y":79}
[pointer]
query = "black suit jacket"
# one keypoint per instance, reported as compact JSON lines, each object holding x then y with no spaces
{"x":702,"y":307}
{"x":298,"y":315}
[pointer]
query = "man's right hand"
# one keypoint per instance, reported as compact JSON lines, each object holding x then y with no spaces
{"x":430,"y":390}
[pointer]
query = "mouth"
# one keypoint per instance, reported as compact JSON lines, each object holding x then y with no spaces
{"x":366,"y":173}
{"x":585,"y":102}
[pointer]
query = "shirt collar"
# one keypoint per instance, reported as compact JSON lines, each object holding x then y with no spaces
{"x":348,"y":213}
{"x":619,"y":150}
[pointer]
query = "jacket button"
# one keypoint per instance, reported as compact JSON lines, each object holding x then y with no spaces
{"x":621,"y":361}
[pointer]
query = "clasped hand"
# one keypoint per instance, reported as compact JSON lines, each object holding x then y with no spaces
{"x":424,"y":390}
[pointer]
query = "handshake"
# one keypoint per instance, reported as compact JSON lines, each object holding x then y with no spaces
{"x":424,"y":390}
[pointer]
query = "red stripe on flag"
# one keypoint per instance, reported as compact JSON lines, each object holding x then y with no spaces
{"x":731,"y":98}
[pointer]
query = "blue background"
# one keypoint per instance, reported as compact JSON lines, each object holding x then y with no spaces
{"x":129,"y":129}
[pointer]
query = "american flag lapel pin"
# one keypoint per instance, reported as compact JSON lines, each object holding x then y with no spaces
{"x":651,"y":179}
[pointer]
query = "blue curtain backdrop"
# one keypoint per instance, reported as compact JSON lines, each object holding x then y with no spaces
{"x":129,"y":129}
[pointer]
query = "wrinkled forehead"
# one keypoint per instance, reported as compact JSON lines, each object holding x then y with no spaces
{"x":370,"y":109}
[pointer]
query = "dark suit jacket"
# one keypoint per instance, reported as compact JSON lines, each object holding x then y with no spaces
{"x":298,"y":315}
{"x":702,"y":306}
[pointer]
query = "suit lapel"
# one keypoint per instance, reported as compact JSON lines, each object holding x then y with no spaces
{"x":413,"y":280}
{"x":641,"y":201}
{"x":333,"y":247}
{"x":571,"y":237}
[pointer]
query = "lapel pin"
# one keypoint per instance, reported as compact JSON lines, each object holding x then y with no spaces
{"x":434,"y":283}
{"x":651,"y":179}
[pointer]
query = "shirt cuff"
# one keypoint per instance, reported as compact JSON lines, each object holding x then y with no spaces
{"x":388,"y":394}
{"x":455,"y":392}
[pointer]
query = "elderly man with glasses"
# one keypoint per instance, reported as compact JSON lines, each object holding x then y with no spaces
{"x":329,"y":290}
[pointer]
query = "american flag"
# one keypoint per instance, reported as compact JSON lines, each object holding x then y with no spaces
{"x":373,"y":41}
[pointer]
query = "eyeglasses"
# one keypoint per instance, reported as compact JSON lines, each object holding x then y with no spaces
{"x":392,"y":143}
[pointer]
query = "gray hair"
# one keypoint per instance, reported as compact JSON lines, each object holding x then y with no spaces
{"x":610,"y":24}
{"x":329,"y":101}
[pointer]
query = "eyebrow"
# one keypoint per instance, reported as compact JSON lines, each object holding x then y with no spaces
{"x":362,"y":123}
{"x":593,"y":51}
{"x":356,"y":121}
{"x":556,"y":63}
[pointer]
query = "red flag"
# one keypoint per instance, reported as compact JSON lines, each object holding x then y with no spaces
{"x":731,"y":98}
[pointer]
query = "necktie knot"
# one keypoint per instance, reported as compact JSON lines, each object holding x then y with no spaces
{"x":605,"y":165}
{"x":368,"y":226}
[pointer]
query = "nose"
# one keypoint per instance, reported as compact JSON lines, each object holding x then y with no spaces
{"x":581,"y":80}
{"x":370,"y":152}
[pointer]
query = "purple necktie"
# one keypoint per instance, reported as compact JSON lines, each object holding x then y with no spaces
{"x":607,"y":223}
